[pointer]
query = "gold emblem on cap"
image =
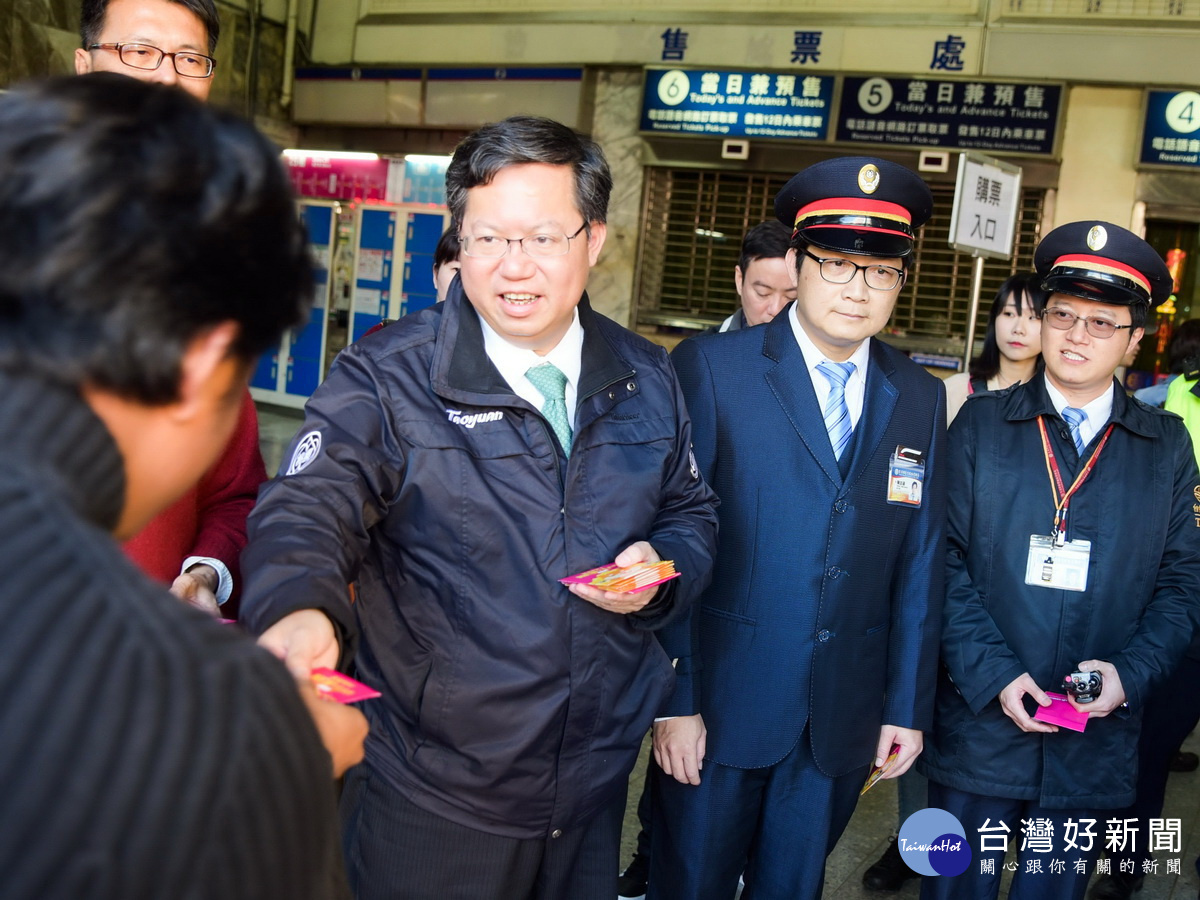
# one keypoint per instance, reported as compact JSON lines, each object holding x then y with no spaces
{"x":868,"y":178}
{"x":1097,"y":238}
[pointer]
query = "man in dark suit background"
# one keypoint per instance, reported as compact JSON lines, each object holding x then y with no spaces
{"x":813,"y":652}
{"x":763,"y":281}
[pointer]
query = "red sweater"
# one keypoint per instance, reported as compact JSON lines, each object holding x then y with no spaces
{"x":210,"y":519}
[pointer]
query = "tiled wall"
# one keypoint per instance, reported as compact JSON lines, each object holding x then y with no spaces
{"x":618,"y":95}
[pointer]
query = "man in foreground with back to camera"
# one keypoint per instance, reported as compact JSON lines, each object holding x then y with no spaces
{"x":454,"y":466}
{"x":149,"y":252}
{"x":1073,"y":546}
{"x":813,"y":653}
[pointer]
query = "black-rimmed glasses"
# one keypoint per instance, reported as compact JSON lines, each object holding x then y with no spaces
{"x":836,"y":270}
{"x":144,"y":56}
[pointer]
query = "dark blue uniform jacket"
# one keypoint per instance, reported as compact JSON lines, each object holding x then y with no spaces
{"x":825,"y":603}
{"x":1139,"y":510}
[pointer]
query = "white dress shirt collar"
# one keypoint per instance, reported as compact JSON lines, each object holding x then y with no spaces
{"x":855,"y":385}
{"x":1099,"y":411}
{"x":514,"y":361}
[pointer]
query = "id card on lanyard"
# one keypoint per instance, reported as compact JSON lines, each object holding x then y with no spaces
{"x":906,"y":477}
{"x":1055,"y":562}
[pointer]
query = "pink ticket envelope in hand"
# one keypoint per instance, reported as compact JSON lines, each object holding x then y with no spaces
{"x":333,"y":685}
{"x":625,"y":579}
{"x":1060,"y":712}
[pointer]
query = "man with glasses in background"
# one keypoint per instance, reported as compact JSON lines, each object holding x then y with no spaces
{"x":1074,"y":546}
{"x":813,"y":652}
{"x":762,"y":280}
{"x":194,"y":545}
{"x":454,"y":466}
{"x":165,"y":41}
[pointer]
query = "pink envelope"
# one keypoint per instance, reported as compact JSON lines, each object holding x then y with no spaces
{"x":1060,"y":712}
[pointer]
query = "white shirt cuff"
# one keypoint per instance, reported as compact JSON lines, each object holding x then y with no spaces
{"x":225,"y":580}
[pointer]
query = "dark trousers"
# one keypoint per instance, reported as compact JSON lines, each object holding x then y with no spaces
{"x":777,"y":824}
{"x":643,"y":809}
{"x":1170,"y":715}
{"x":975,"y":811}
{"x":397,"y":851}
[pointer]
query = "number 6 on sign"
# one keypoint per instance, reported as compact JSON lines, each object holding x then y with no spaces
{"x":673,"y":87}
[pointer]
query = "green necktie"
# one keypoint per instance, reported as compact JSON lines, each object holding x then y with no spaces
{"x":552,"y":384}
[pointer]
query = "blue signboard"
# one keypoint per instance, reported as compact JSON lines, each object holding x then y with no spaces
{"x":732,"y":104}
{"x":1171,"y":133}
{"x":999,"y":117}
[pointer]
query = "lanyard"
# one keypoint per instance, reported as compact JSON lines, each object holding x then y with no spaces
{"x":1063,"y":495}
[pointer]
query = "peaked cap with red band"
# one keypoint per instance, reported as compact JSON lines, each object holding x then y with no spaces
{"x":856,"y":204}
{"x":1103,"y":262}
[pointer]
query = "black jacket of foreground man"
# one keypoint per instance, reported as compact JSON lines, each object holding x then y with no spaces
{"x":149,"y":752}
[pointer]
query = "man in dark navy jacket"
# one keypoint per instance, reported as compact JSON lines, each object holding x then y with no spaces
{"x":813,"y":652}
{"x":456,"y":465}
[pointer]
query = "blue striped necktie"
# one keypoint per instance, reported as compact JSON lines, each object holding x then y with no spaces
{"x":837,"y":413}
{"x":1075,"y":418}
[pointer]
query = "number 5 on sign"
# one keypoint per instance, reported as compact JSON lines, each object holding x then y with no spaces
{"x":875,"y":95}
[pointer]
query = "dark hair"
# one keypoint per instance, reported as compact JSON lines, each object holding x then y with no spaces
{"x":766,"y":240}
{"x":529,"y":139}
{"x":1183,"y":352}
{"x":92,"y":12}
{"x":1027,"y":284}
{"x":1137,"y":315}
{"x":132,"y":219}
{"x":446,"y":250}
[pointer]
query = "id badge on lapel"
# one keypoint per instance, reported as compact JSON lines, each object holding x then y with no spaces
{"x":1055,"y":565}
{"x":906,"y":477}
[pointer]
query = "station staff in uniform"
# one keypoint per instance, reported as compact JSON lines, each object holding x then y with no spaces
{"x":813,"y":651}
{"x":1073,"y":545}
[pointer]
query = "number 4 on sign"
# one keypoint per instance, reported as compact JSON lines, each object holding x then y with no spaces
{"x":1182,"y":112}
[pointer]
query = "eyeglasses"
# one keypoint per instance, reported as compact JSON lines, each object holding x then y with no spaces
{"x":1064,"y":320}
{"x":539,"y":246}
{"x":879,"y":277}
{"x":143,"y":56}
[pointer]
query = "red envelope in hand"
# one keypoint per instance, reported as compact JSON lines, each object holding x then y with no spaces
{"x":333,"y":685}
{"x":1060,"y":712}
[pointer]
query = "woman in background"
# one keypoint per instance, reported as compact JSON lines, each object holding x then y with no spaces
{"x":1012,"y":347}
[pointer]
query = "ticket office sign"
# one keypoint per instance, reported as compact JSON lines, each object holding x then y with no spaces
{"x":1171,"y":129}
{"x":737,"y":104}
{"x":993,"y":116}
